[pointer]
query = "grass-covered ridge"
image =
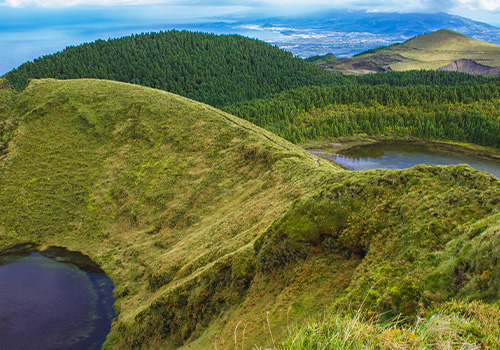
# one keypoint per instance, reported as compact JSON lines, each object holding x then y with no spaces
{"x":214,"y":229}
{"x":8,"y":122}
{"x":160,"y":190}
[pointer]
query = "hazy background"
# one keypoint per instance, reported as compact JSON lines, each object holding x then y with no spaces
{"x":33,"y":28}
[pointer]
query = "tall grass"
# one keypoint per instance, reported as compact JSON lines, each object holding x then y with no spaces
{"x":440,"y":331}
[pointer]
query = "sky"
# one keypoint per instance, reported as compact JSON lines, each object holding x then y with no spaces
{"x":484,"y":10}
{"x":32,"y":28}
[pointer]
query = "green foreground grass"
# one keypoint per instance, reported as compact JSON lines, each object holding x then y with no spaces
{"x":450,"y":328}
{"x":215,"y":231}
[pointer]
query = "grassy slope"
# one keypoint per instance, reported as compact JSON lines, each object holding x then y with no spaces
{"x":440,"y":48}
{"x":204,"y":220}
{"x":8,"y":122}
{"x":155,"y":187}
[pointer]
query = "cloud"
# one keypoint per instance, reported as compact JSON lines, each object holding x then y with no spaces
{"x":485,"y":5}
{"x":71,"y":3}
{"x":283,"y":4}
{"x":391,"y":5}
{"x":280,"y":6}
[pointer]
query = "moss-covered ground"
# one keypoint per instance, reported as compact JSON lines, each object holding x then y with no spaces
{"x":220,"y":235}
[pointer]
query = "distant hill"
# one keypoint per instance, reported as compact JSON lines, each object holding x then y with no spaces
{"x":217,"y":70}
{"x":216,"y":232}
{"x":348,"y":32}
{"x":443,"y":50}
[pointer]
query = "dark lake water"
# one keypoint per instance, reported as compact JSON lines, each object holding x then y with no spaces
{"x":46,"y":304}
{"x":402,"y":156}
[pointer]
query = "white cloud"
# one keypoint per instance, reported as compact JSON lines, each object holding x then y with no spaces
{"x":384,"y":5}
{"x":486,"y":5}
{"x":71,"y":3}
{"x":283,"y":6}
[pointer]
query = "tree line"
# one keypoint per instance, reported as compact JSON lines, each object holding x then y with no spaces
{"x":424,"y":77}
{"x":458,"y":113}
{"x":285,"y":94}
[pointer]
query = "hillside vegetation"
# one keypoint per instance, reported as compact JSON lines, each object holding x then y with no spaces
{"x":279,"y":92}
{"x":454,"y":113}
{"x":8,"y":122}
{"x":217,"y":70}
{"x":221,"y":235}
{"x":427,"y":51}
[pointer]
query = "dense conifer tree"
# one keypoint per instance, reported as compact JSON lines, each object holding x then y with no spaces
{"x":218,"y":70}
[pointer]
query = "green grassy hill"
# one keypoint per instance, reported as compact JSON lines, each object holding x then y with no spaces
{"x":8,"y":122}
{"x":428,"y":51}
{"x":215,"y":231}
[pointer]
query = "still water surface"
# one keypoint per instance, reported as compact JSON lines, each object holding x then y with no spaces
{"x":402,"y":156}
{"x":46,"y":304}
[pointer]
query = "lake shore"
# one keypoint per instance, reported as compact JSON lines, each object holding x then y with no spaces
{"x":327,"y":147}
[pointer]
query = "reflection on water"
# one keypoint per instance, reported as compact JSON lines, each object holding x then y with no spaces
{"x":45,"y":304}
{"x":402,"y":156}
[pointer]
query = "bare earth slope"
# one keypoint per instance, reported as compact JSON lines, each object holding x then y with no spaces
{"x":214,"y":229}
{"x":471,"y":67}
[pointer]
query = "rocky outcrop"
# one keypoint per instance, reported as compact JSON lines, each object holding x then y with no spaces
{"x":471,"y":67}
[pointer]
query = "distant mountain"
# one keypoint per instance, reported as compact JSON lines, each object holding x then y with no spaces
{"x":442,"y":50}
{"x":344,"y":32}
